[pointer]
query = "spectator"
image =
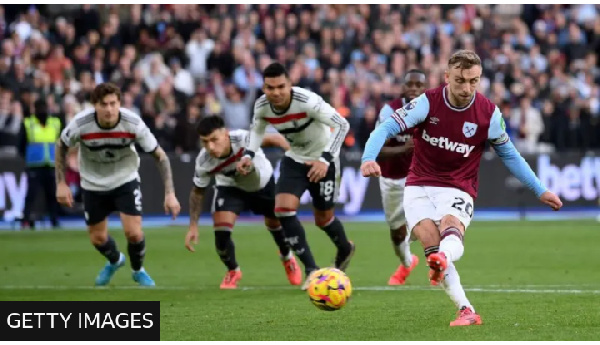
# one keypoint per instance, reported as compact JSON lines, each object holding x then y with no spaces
{"x":11,"y":116}
{"x":236,"y":109}
{"x":350,"y":54}
{"x":530,"y":126}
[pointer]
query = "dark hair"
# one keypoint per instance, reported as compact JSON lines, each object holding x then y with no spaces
{"x":209,"y":124}
{"x":415,"y":71}
{"x":104,"y":90}
{"x":464,"y":59}
{"x":40,"y":107}
{"x":275,"y":70}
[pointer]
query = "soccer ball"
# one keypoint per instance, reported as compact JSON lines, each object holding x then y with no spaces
{"x":329,"y":289}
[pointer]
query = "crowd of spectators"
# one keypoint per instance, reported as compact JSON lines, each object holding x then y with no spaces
{"x":177,"y":63}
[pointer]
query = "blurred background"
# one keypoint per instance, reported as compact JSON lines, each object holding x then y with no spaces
{"x":177,"y":63}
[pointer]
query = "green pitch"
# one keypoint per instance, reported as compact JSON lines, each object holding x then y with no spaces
{"x":528,"y":280}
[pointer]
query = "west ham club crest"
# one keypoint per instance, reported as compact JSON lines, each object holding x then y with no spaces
{"x":469,"y":129}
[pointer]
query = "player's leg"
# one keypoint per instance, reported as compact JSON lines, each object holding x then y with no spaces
{"x":49,"y":184}
{"x":33,"y":186}
{"x":291,"y":185}
{"x":223,"y":222}
{"x":97,"y":206}
{"x":262,"y":203}
{"x":324,"y":195}
{"x":128,"y":202}
{"x":420,"y":217}
{"x":292,"y":269}
{"x":457,"y":210}
{"x":392,"y":194}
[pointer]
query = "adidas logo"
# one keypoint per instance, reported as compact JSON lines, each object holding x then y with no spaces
{"x":446,"y":144}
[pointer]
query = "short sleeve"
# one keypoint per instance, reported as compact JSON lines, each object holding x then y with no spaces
{"x":201,"y":176}
{"x":145,"y":138}
{"x":497,"y":132}
{"x":70,"y":135}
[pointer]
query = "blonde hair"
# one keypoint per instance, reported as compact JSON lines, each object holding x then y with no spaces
{"x":464,"y":59}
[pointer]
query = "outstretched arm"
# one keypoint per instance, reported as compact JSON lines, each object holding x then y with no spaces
{"x":257,"y":132}
{"x":516,"y":164}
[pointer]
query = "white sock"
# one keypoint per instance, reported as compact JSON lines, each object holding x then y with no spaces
{"x":288,"y":257}
{"x":455,"y":291}
{"x":403,"y":252}
{"x":453,"y":247}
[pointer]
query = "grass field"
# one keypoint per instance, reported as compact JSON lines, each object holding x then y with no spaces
{"x":528,"y":280}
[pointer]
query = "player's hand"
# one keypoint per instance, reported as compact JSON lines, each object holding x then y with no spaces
{"x":172,"y":205}
{"x":64,"y":195}
{"x":317,"y":171}
{"x":244,"y":166}
{"x":370,"y":169}
{"x":191,"y":238}
{"x":551,"y":200}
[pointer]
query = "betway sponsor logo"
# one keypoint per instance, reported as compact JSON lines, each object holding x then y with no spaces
{"x":574,"y":181}
{"x":446,"y":144}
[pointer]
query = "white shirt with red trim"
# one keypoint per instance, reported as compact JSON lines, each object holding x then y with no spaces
{"x":107,"y":157}
{"x":310,"y":125}
{"x":223,"y":169}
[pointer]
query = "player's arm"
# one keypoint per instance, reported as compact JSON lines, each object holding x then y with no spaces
{"x":255,"y":139}
{"x":68,"y":138}
{"x":275,"y":140}
{"x":396,"y":150}
{"x":401,"y":119}
{"x":148,"y":143}
{"x":515,"y":163}
{"x":386,"y":112}
{"x":325,"y":113}
{"x":201,"y":181}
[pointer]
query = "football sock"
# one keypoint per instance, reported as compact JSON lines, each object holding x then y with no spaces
{"x":225,"y":248}
{"x":136,"y":251}
{"x":451,"y":284}
{"x":109,"y":250}
{"x":296,"y":237}
{"x":335,"y":230}
{"x":401,"y":247}
{"x":279,"y":237}
{"x":451,"y":243}
{"x":430,"y":250}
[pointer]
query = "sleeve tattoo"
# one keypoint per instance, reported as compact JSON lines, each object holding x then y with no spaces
{"x":196,"y":201}
{"x":164,"y":166}
{"x":60,"y":158}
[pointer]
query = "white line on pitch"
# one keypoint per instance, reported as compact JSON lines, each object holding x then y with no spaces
{"x":507,"y":289}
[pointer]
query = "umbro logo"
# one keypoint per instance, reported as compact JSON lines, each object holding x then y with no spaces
{"x":434,"y":120}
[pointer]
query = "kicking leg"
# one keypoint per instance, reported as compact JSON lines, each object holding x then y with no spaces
{"x":452,"y":232}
